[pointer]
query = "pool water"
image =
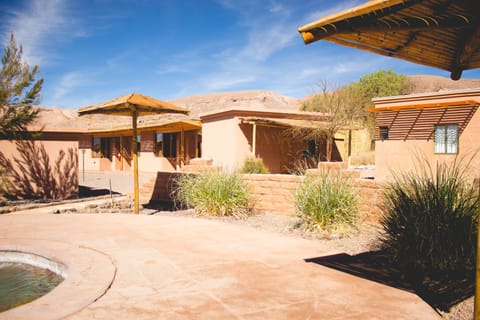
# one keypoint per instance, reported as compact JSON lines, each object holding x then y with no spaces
{"x":21,"y":283}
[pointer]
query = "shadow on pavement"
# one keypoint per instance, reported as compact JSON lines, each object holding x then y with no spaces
{"x":160,"y":205}
{"x":441,"y":294}
{"x":87,"y":192}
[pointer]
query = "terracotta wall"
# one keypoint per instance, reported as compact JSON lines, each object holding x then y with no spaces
{"x":411,"y":128}
{"x":400,"y":156}
{"x":52,"y":148}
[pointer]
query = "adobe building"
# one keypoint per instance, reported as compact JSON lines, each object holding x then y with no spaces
{"x":436,"y":127}
{"x":232,"y":135}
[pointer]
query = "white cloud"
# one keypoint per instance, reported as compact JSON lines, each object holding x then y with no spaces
{"x":39,"y":25}
{"x":265,"y":41}
{"x":68,"y":82}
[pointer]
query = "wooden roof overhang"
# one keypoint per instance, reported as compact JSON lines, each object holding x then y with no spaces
{"x":171,"y":125}
{"x":285,"y":123}
{"x":127,"y":104}
{"x":290,"y":123}
{"x":439,"y":33}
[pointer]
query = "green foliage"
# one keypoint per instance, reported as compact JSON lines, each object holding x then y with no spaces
{"x":327,"y":202}
{"x":32,"y":175}
{"x":214,"y":193}
{"x":18,"y":92}
{"x":254,"y":165}
{"x":430,"y":220}
{"x":382,"y":83}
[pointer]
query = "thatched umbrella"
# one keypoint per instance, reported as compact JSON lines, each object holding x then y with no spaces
{"x":133,"y":105}
{"x":443,"y":34}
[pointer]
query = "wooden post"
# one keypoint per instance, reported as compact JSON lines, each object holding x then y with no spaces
{"x":121,"y":153}
{"x":135,"y":163}
{"x":196,"y":144}
{"x":476,"y":310}
{"x":182,"y":148}
{"x":254,"y":140}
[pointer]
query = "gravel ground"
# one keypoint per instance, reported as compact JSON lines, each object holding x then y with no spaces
{"x":363,"y":239}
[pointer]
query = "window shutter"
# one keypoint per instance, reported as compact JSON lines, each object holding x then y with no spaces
{"x":439,"y":139}
{"x":452,"y":138}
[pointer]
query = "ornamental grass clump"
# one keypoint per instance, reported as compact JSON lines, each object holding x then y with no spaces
{"x":254,"y":166}
{"x":327,"y":202}
{"x":430,"y":221}
{"x":214,"y":193}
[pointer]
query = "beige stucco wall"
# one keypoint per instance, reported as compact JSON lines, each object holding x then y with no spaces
{"x":224,"y":142}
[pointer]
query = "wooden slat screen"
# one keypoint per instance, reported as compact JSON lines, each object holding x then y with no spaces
{"x":418,"y":124}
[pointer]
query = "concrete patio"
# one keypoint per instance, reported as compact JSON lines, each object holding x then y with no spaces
{"x":126,"y":266}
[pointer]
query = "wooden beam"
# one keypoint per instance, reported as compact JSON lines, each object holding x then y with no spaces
{"x":465,"y":50}
{"x":358,"y":25}
{"x":427,"y":105}
{"x":365,"y":13}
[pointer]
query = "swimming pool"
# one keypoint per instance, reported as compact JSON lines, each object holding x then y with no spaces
{"x":21,"y":283}
{"x":25,"y":277}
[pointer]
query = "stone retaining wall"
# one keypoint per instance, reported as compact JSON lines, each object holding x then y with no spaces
{"x":274,"y":193}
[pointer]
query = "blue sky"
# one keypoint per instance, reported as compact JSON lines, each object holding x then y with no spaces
{"x":90,"y":51}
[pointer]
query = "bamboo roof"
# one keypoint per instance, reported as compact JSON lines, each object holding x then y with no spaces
{"x":133,"y":102}
{"x":165,"y":125}
{"x":444,"y":34}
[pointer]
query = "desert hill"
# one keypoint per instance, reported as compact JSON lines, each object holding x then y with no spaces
{"x":56,"y":118}
{"x":426,"y":83}
{"x":243,"y":99}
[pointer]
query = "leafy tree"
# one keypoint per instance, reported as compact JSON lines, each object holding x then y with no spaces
{"x":382,"y":83}
{"x":19,"y":90}
{"x":342,"y":107}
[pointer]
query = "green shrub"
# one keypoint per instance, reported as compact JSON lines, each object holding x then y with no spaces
{"x":254,"y":165}
{"x":326,"y":202}
{"x":430,"y":220}
{"x":214,"y":193}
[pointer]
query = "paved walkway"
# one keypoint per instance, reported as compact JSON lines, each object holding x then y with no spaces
{"x":127,"y":266}
{"x":118,"y":181}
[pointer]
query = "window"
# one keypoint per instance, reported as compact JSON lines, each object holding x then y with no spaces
{"x":446,"y":139}
{"x":383,"y":133}
{"x":166,"y":145}
{"x":100,"y":147}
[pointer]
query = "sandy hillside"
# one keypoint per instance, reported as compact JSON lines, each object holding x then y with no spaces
{"x":424,"y":83}
{"x":244,"y":99}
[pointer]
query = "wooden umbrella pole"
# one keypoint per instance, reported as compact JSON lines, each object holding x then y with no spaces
{"x":135,"y":163}
{"x":476,"y":309}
